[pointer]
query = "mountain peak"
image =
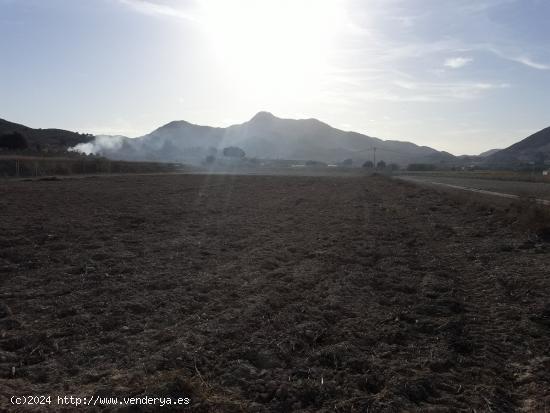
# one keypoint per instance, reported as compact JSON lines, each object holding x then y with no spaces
{"x":263,"y":115}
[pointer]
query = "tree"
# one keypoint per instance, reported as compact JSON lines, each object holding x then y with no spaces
{"x":234,"y":152}
{"x":347,"y":162}
{"x":210,"y":159}
{"x":368,"y":164}
{"x":381,"y":165}
{"x":13,"y":141}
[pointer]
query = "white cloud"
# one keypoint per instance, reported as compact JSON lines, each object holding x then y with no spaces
{"x":157,"y":8}
{"x":457,"y":62}
{"x":512,"y":55}
{"x":410,"y":91}
{"x":528,"y":62}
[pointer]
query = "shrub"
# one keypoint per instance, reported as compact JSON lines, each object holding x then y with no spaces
{"x":13,"y":141}
{"x":234,"y":152}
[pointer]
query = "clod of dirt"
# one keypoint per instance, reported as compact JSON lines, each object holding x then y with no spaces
{"x":419,"y":391}
{"x":441,"y":366}
{"x":263,"y":359}
{"x":12,"y":343}
{"x":8,"y":357}
{"x":372,"y":383}
{"x":5,"y":311}
{"x":543,"y":317}
{"x":9,"y":324}
{"x":544,"y":234}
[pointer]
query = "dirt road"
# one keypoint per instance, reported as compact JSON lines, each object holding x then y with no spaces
{"x":494,"y":187}
{"x":270,"y":293}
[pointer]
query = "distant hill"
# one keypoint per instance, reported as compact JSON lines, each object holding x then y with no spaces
{"x":268,"y":137}
{"x":489,"y":152}
{"x":533,"y":149}
{"x":51,"y":139}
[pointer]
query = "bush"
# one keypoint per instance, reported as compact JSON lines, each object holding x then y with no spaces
{"x":234,"y":152}
{"x":13,"y":141}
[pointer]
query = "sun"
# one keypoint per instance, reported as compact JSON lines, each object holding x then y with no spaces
{"x":272,"y":45}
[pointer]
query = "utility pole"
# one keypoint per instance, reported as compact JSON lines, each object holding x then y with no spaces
{"x":374,"y":157}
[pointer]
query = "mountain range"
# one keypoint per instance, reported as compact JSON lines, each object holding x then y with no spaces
{"x":266,"y":136}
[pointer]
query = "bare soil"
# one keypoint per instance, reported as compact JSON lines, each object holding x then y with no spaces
{"x":270,"y":294}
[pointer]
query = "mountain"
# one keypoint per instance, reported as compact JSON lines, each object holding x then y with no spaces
{"x":535,"y":148}
{"x":51,"y":139}
{"x":269,"y":137}
{"x":488,"y":153}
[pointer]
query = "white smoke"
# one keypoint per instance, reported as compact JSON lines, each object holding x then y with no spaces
{"x":100,"y":144}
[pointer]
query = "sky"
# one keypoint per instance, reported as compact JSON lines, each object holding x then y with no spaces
{"x":457,"y":75}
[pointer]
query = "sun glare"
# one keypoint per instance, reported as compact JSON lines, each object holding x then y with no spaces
{"x":272,"y":45}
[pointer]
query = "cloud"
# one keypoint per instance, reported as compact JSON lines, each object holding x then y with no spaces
{"x":457,"y":62}
{"x":528,"y":62}
{"x":511,"y":55}
{"x":411,"y":91}
{"x":156,"y":8}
